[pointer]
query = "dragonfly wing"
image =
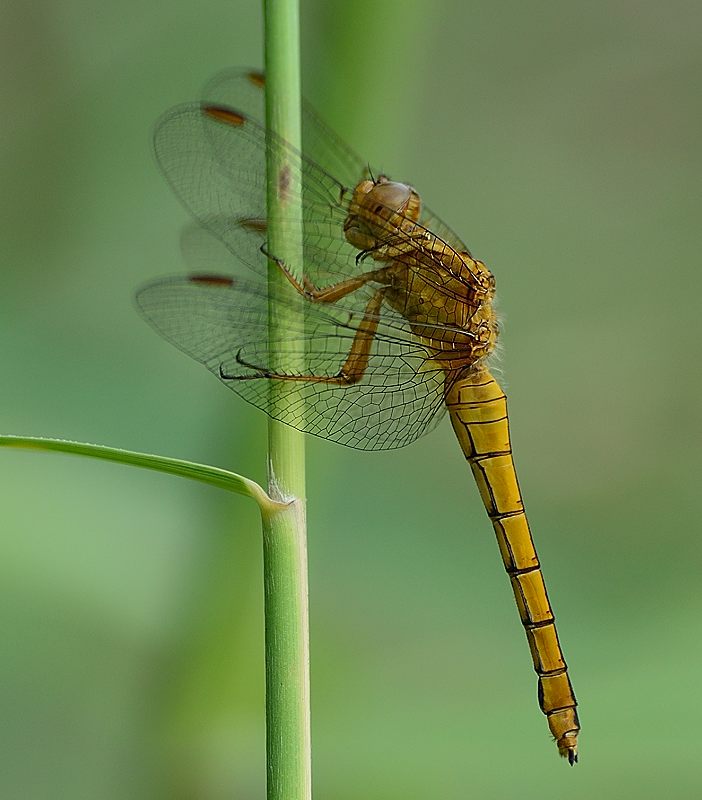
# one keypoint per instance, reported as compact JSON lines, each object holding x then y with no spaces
{"x":218,"y":172}
{"x":223,"y":323}
{"x":442,"y":231}
{"x":244,"y":89}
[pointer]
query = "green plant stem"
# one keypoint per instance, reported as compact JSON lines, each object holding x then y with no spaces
{"x":288,"y":749}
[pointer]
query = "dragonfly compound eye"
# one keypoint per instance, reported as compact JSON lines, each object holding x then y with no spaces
{"x":395,"y":196}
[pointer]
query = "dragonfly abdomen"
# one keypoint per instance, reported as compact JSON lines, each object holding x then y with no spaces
{"x":478,"y":411}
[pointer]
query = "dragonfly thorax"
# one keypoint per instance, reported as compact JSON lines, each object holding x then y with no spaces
{"x":377,"y":209}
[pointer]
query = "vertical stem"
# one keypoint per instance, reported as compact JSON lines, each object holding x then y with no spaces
{"x":288,"y":751}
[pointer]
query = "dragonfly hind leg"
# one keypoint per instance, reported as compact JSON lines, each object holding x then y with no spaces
{"x":353,"y":369}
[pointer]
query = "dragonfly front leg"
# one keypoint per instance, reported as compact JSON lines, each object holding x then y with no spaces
{"x":354,"y":367}
{"x":333,"y":293}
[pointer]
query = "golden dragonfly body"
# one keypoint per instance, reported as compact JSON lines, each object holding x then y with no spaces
{"x":386,"y":349}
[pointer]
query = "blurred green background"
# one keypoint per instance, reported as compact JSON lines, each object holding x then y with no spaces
{"x":562,"y":140}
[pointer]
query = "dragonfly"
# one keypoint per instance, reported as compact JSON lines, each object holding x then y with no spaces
{"x":397,"y":325}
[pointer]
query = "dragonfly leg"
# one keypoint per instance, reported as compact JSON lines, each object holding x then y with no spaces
{"x":354,"y":367}
{"x":329,"y":294}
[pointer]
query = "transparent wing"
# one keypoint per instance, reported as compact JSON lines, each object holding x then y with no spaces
{"x":222,"y":322}
{"x":244,"y":89}
{"x":218,"y":171}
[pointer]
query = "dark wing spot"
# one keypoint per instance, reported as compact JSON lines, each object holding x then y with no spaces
{"x":212,"y":280}
{"x":257,"y":78}
{"x":284,"y":182}
{"x":254,"y":224}
{"x":224,"y":114}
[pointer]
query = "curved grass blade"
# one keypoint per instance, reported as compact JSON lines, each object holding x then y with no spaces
{"x":214,"y":476}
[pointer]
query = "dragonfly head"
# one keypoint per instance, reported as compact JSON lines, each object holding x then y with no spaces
{"x":378,"y":209}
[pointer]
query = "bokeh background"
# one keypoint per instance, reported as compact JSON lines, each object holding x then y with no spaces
{"x":562,"y":140}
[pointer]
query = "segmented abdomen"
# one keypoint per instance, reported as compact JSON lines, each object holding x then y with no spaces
{"x":478,"y":410}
